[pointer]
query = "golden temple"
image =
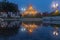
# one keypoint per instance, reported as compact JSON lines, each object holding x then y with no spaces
{"x":29,"y":11}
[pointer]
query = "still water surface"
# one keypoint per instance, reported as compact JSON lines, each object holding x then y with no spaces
{"x":31,"y":31}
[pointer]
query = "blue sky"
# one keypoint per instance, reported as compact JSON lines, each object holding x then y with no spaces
{"x":40,"y":5}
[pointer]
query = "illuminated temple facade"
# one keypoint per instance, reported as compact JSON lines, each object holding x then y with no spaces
{"x":29,"y":11}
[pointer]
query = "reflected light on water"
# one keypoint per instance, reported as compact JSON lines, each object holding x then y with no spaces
{"x":55,"y":33}
{"x":29,"y":27}
{"x":23,"y":29}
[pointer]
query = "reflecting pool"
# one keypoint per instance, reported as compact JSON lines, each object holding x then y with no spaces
{"x":16,"y":30}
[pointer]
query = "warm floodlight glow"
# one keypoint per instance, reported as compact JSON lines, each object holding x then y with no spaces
{"x":30,"y":11}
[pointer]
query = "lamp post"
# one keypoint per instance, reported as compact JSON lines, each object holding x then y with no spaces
{"x":55,"y":7}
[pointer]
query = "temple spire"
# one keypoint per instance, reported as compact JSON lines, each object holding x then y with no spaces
{"x":30,"y":11}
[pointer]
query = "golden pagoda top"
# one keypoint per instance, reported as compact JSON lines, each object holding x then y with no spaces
{"x":30,"y":7}
{"x":30,"y":11}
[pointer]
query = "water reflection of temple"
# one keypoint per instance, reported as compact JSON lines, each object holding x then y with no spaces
{"x":29,"y":27}
{"x":29,"y":11}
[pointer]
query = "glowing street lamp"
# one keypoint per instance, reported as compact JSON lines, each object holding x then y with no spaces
{"x":55,"y":5}
{"x":23,"y":9}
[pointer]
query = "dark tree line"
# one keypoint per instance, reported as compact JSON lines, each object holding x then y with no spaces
{"x":8,"y":7}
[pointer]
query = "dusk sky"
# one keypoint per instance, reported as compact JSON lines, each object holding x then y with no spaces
{"x":40,"y":5}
